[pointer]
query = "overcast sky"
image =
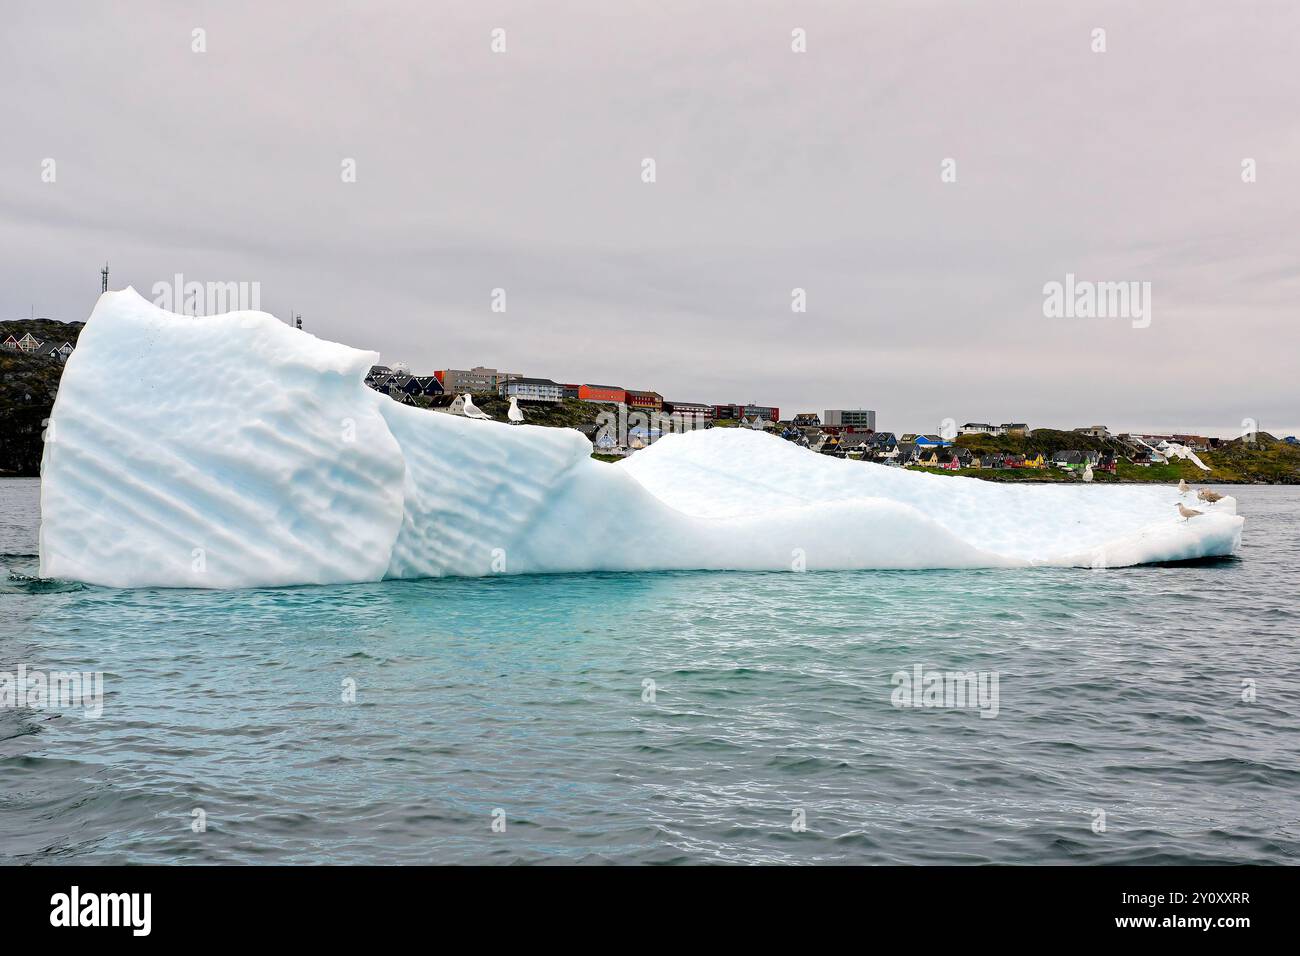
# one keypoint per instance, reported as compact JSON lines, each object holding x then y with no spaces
{"x":775,"y":170}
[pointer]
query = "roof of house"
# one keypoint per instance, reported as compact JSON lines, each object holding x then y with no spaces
{"x":535,"y":381}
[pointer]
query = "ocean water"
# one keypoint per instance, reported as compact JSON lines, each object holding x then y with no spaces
{"x":665,"y":718}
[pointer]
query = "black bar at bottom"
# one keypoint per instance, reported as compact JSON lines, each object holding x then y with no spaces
{"x":338,"y":904}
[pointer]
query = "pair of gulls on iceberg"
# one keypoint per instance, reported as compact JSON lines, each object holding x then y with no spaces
{"x":236,"y":451}
{"x":464,"y":405}
{"x":1204,"y":494}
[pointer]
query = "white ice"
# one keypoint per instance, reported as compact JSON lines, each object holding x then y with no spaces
{"x":235,"y":451}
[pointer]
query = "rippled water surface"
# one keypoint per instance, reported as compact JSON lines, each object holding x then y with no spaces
{"x":1119,"y":691}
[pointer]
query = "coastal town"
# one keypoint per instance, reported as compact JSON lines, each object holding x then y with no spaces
{"x":631,"y":419}
{"x":619,"y":421}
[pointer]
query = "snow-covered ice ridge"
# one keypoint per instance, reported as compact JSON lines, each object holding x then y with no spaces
{"x":236,"y":451}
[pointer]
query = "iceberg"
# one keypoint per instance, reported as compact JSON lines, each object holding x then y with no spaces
{"x":235,"y":451}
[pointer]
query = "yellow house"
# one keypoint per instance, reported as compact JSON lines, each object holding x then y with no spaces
{"x":1035,"y":462}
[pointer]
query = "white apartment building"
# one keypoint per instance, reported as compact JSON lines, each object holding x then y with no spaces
{"x":533,"y":389}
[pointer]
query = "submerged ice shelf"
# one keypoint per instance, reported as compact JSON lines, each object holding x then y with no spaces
{"x":235,"y":451}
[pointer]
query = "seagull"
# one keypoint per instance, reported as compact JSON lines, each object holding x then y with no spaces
{"x":514,"y":413}
{"x":1182,"y":486}
{"x":1087,"y":472}
{"x":472,"y":410}
{"x":1188,"y":513}
{"x":1175,"y":450}
{"x":1205,"y":494}
{"x":1157,"y":456}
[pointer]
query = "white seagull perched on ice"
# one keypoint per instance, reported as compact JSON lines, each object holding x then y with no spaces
{"x":1087,"y":472}
{"x":1182,"y":486}
{"x":514,"y":413}
{"x":1205,"y":494}
{"x":472,"y":410}
{"x":1188,"y":513}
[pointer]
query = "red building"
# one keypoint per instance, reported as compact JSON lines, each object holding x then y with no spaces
{"x":602,"y":393}
{"x":644,"y":401}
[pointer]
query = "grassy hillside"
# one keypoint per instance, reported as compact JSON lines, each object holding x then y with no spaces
{"x":28,"y":384}
{"x":1267,"y":460}
{"x":1045,"y":440}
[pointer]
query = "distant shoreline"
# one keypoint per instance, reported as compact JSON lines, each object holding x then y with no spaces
{"x":973,"y":473}
{"x":1046,"y":476}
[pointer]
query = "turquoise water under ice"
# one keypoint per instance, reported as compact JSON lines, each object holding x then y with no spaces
{"x":1119,"y":690}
